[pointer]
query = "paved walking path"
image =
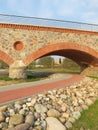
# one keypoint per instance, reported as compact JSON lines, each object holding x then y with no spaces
{"x":17,"y":91}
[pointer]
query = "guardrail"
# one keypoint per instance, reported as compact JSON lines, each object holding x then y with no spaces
{"x":21,"y":20}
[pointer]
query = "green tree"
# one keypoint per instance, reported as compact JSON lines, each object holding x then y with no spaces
{"x":47,"y":61}
{"x":70,"y":64}
{"x":3,"y":65}
{"x":32,"y":65}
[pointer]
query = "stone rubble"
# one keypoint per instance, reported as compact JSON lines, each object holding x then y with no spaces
{"x":52,"y":110}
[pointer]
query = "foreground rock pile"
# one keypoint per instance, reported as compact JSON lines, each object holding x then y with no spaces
{"x":52,"y":110}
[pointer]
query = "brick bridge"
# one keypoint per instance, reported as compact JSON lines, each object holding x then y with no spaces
{"x":21,"y":44}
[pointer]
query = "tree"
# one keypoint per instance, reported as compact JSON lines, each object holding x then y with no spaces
{"x":32,"y":65}
{"x":68,"y":63}
{"x":47,"y":62}
{"x":3,"y":65}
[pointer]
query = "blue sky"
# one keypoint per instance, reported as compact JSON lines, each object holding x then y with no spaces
{"x":73,"y":10}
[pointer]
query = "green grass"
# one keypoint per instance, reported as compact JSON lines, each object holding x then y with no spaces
{"x":89,"y":119}
{"x":93,"y":77}
{"x":5,"y":78}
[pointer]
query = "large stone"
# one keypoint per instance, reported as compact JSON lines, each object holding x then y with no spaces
{"x":65,"y":115}
{"x":30,"y":119}
{"x":68,"y":125}
{"x":64,"y":107}
{"x":40,"y":108}
{"x":3,"y":108}
{"x":76,"y":115}
{"x":16,"y":119}
{"x":54,"y":124}
{"x":2,"y":118}
{"x":24,"y":126}
{"x":88,"y":102}
{"x":53,"y":113}
{"x":72,"y":120}
{"x":11,"y":129}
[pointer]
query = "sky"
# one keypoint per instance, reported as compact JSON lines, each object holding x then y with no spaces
{"x":85,"y":11}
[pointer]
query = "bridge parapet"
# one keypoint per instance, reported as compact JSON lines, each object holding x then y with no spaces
{"x":43,"y":22}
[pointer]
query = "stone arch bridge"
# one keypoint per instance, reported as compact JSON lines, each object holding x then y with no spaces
{"x":21,"y":44}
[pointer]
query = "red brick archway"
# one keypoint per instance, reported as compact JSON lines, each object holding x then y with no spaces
{"x":6,"y":58}
{"x":50,"y":48}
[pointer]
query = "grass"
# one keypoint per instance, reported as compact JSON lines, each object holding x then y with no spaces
{"x":61,"y":70}
{"x":93,"y":77}
{"x":29,"y":79}
{"x":89,"y":119}
{"x":5,"y":78}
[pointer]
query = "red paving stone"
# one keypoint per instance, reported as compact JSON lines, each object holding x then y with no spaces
{"x":10,"y":95}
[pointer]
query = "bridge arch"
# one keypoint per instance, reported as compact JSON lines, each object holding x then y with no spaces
{"x":6,"y":58}
{"x":79,"y":53}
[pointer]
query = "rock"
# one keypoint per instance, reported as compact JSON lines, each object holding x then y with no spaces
{"x":29,"y":104}
{"x":11,"y":129}
{"x":82,"y":128}
{"x":18,"y":106}
{"x":20,"y":102}
{"x":3,"y":108}
{"x":7,"y":119}
{"x":22,"y":112}
{"x":68,"y":125}
{"x":54,"y":124}
{"x":4,"y":125}
{"x":16,"y":119}
{"x":72,"y":120}
{"x":84,"y":107}
{"x":38,"y":127}
{"x":29,"y":99}
{"x":30,"y":119}
{"x":78,"y":108}
{"x":40,"y":108}
{"x":80,"y":101}
{"x":75,"y":102}
{"x":64,"y":107}
{"x":62,"y":119}
{"x":24,"y":106}
{"x":76,"y":115}
{"x":2,"y":118}
{"x":63,"y":96}
{"x":36,"y":123}
{"x":78,"y":94}
{"x":24,"y":126}
{"x":88,"y":102}
{"x":31,"y":128}
{"x":1,"y":126}
{"x":43,"y":124}
{"x":53,"y":113}
{"x":12,"y":112}
{"x":65,"y":115}
{"x":33,"y":101}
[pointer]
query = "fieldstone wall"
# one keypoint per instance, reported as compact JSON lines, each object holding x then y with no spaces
{"x":31,"y":40}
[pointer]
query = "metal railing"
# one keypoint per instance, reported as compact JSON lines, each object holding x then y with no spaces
{"x":21,"y":20}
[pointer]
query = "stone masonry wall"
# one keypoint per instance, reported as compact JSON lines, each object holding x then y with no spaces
{"x":34,"y":39}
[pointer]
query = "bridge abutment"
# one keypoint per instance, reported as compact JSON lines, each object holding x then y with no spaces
{"x":17,"y":70}
{"x":90,"y":71}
